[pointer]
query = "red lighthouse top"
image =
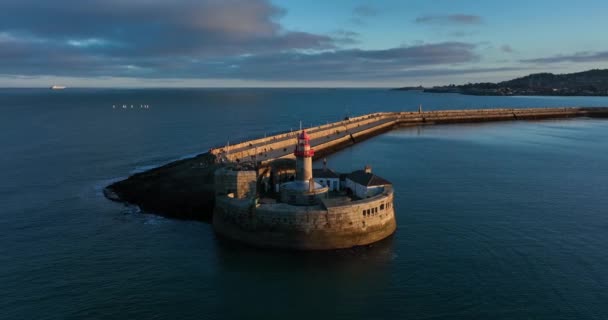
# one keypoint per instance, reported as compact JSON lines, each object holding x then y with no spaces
{"x":303,"y":148}
{"x":304,"y":135}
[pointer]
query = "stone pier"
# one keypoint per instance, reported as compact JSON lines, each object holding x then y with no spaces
{"x":186,"y":188}
{"x":331,"y":137}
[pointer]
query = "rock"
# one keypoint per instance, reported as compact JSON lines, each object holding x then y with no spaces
{"x":182,"y":189}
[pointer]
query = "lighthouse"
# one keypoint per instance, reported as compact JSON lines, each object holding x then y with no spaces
{"x":303,"y":191}
{"x":304,"y":154}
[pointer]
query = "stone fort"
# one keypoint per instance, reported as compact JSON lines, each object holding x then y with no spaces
{"x":290,"y":205}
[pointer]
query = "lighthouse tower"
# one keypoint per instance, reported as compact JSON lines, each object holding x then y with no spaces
{"x":303,"y":191}
{"x":304,"y":154}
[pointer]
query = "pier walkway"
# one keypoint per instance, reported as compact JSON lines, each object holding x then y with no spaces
{"x":333,"y":136}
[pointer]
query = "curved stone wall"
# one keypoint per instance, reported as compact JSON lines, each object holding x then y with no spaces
{"x":306,"y":228}
{"x":299,"y":197}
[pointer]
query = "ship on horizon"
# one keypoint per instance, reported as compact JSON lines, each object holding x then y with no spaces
{"x":56,"y":87}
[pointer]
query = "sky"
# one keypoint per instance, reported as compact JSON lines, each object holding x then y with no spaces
{"x":295,"y":43}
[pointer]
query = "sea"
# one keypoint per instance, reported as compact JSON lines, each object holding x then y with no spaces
{"x":504,"y":220}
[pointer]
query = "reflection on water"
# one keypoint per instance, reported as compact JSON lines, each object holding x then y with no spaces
{"x":301,"y":284}
{"x":353,"y":262}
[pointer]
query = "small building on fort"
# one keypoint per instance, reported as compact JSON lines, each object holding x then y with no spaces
{"x":365,"y":184}
{"x":327,"y":177}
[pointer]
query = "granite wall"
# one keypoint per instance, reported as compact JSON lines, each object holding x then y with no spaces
{"x":306,"y":228}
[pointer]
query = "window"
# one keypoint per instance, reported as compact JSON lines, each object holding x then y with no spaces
{"x":382,"y":206}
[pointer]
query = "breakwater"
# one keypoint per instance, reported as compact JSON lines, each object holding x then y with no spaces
{"x":331,"y":137}
{"x":185,"y":188}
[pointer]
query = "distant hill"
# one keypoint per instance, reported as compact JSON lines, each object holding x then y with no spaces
{"x":418,"y":88}
{"x":587,"y":83}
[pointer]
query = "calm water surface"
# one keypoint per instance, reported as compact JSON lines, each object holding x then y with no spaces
{"x":495,"y":221}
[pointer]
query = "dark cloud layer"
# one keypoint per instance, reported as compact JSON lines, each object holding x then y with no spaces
{"x":207,"y":27}
{"x":206,"y":39}
{"x":334,"y":65}
{"x":345,"y":64}
{"x":601,"y":56}
{"x":456,"y":19}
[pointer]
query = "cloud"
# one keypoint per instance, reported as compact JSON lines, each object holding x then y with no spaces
{"x":346,"y":33}
{"x":451,"y":19}
{"x":182,"y":27}
{"x":345,"y":37}
{"x":342,"y":64}
{"x":205,"y":39}
{"x":506,"y":48}
{"x":586,"y":56}
{"x":460,"y":34}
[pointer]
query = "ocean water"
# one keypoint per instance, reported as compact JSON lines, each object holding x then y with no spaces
{"x":495,"y":221}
